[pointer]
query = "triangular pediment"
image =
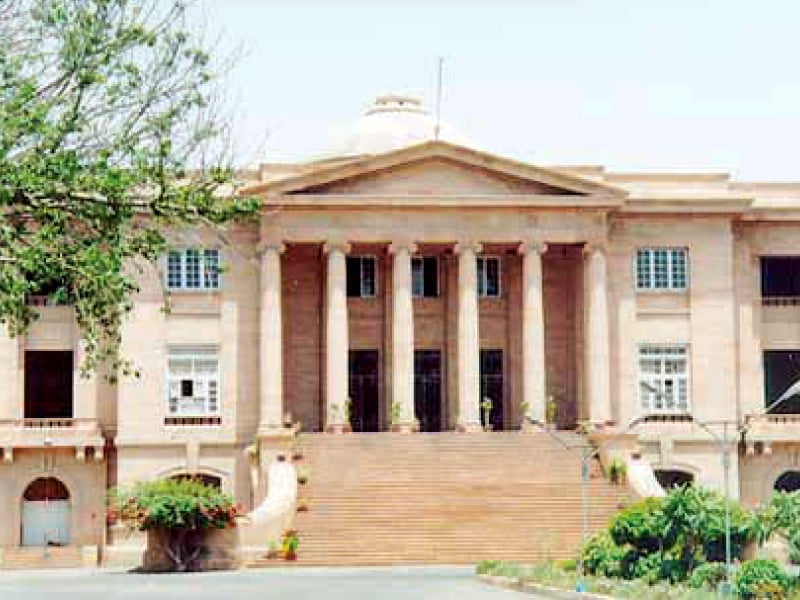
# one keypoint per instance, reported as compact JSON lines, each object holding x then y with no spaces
{"x":435,"y":168}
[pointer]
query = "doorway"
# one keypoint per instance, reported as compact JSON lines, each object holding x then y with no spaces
{"x":48,"y":384}
{"x":363,"y":390}
{"x":45,"y":513}
{"x":492,"y":388}
{"x":428,"y":389}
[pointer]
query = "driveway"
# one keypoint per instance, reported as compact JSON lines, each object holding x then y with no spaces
{"x":396,"y":583}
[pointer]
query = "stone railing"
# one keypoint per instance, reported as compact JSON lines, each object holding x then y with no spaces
{"x":773,"y":427}
{"x":780,"y":301}
{"x":58,"y":432}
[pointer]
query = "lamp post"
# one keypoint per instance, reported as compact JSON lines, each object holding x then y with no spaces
{"x":588,"y":451}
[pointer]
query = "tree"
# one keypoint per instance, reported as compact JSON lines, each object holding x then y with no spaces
{"x":108,"y":137}
{"x":180,"y":511}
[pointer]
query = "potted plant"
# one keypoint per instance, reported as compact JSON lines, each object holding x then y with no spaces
{"x":486,"y":409}
{"x":273,"y":553}
{"x":550,"y":415}
{"x":302,"y":505}
{"x":524,"y":418}
{"x":617,"y":471}
{"x":289,"y":543}
{"x":397,"y":417}
{"x":302,"y":475}
{"x":338,"y":424}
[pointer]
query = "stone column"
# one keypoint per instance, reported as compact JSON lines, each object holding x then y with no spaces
{"x":534,"y":383}
{"x":271,"y":340}
{"x":468,"y":338}
{"x":336,"y":344}
{"x":402,"y":336}
{"x":597,"y":361}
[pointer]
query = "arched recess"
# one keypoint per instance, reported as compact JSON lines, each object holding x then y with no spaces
{"x":46,"y":513}
{"x":672,"y":478}
{"x":789,"y":481}
{"x":206,"y":479}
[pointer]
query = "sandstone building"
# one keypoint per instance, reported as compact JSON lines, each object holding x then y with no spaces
{"x":411,"y":281}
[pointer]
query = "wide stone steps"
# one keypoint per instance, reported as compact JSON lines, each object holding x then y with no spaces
{"x":38,"y":558}
{"x":452,"y":498}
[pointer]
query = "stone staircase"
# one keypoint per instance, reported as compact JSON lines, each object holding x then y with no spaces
{"x":66,"y":557}
{"x":445,"y":498}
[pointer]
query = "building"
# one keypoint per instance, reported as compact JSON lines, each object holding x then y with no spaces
{"x":411,"y":281}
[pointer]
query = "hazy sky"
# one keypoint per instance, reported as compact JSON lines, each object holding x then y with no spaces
{"x":633,"y":84}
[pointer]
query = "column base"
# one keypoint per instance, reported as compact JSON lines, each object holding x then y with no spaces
{"x":404,"y":428}
{"x":339,"y":428}
{"x":270,"y":431}
{"x":469,"y":428}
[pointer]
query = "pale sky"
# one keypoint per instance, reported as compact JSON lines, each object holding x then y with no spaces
{"x":632,"y":84}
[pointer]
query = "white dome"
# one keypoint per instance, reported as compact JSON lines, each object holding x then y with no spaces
{"x":393,"y":121}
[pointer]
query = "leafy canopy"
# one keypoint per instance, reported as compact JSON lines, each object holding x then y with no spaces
{"x":172,"y":504}
{"x":105,"y":105}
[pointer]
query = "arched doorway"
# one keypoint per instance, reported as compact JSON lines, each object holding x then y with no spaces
{"x":672,"y":478}
{"x":788,"y":482}
{"x":46,"y":513}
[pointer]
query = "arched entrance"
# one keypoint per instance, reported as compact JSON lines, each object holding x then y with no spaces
{"x":46,"y":513}
{"x":788,"y":482}
{"x":672,"y":478}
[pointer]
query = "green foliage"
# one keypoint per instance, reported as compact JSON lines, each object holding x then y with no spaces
{"x":781,"y":515}
{"x":289,"y":544}
{"x":172,"y":504}
{"x":759,"y":579}
{"x":108,"y":138}
{"x":708,"y":576}
{"x":617,"y":471}
{"x":641,"y":526}
{"x":602,"y":556}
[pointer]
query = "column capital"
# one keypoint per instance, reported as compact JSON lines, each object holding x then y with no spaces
{"x":332,"y":246}
{"x":595,"y":245}
{"x":276,"y":246}
{"x":468,"y":246}
{"x":532,"y":246}
{"x":396,"y":247}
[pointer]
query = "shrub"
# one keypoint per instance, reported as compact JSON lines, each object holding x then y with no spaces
{"x":759,"y":579}
{"x":602,"y":556}
{"x":641,"y":525}
{"x":708,"y":575}
{"x":180,"y":509}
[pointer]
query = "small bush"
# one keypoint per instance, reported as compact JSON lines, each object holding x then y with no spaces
{"x":641,"y":526}
{"x":708,"y":576}
{"x":762,"y":579}
{"x":601,"y":556}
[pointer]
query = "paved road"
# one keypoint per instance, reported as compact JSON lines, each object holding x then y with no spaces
{"x":423,"y":583}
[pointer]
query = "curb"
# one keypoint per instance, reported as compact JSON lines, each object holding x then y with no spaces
{"x":545,"y":591}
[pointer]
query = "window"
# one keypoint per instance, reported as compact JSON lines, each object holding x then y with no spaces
{"x":780,"y":276}
{"x":661,"y":268}
{"x":488,"y":276}
{"x":425,"y":277}
{"x":193,"y":381}
{"x":361,"y":277}
{"x":664,"y":379}
{"x":193,"y":269}
{"x":781,"y":378}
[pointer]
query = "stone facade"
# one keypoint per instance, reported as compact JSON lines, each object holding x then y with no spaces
{"x":568,"y":323}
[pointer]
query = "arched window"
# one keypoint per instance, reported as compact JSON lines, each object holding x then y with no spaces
{"x":208,"y":480}
{"x":672,"y":478}
{"x":46,"y":488}
{"x":788,"y":482}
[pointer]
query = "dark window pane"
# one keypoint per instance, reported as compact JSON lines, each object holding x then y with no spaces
{"x":367,"y":277}
{"x":431,"y":277}
{"x":417,"y":278}
{"x":481,"y":285}
{"x":492,"y":277}
{"x":781,"y":372}
{"x":780,"y":276}
{"x":353,"y":276}
{"x":187,"y":388}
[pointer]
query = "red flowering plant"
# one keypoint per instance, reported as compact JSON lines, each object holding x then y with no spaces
{"x":179,"y":510}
